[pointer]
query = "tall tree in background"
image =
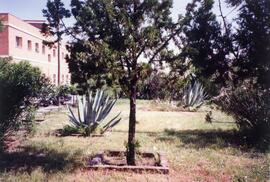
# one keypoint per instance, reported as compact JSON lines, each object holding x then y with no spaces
{"x":55,"y":12}
{"x":203,"y":46}
{"x":118,"y":36}
{"x":253,"y":39}
{"x":228,"y":55}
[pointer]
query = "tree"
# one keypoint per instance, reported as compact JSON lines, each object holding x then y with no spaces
{"x":118,"y":37}
{"x":204,"y":47}
{"x":253,"y":39}
{"x":55,"y":13}
{"x":87,"y":71}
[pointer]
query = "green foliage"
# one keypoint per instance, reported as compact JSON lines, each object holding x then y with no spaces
{"x":251,"y":110}
{"x":137,"y":146}
{"x":19,"y":84}
{"x":154,"y":86}
{"x":194,"y":96}
{"x":203,"y":47}
{"x":55,"y":12}
{"x":47,"y":91}
{"x":116,"y":35}
{"x":220,"y":56}
{"x":29,"y":120}
{"x":92,"y":111}
{"x":253,"y":40}
{"x":65,"y":90}
{"x":68,"y":130}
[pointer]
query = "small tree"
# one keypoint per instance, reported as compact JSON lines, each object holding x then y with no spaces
{"x":118,"y":36}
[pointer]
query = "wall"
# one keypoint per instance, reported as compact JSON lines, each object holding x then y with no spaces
{"x":17,"y":27}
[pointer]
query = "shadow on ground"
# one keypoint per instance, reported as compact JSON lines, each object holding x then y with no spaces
{"x":203,"y":138}
{"x":29,"y":158}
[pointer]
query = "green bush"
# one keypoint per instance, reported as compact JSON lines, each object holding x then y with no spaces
{"x":68,"y":130}
{"x":19,"y":83}
{"x":29,"y":120}
{"x":251,"y":109}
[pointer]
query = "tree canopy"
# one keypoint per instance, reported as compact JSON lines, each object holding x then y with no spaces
{"x":253,"y":38}
{"x":117,"y":37}
{"x":55,"y":12}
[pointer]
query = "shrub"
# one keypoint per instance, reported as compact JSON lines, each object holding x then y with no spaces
{"x":68,"y":130}
{"x":29,"y":120}
{"x":19,"y":83}
{"x":92,"y":111}
{"x":251,"y":109}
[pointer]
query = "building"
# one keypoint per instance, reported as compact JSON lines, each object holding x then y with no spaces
{"x":23,"y":41}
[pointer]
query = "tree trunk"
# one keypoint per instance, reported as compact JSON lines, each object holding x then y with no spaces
{"x":132,"y":126}
{"x":59,"y":62}
{"x":58,"y":70}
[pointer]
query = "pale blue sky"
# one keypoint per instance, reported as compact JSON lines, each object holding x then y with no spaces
{"x":32,"y":9}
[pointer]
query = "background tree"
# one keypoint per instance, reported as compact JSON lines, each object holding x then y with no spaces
{"x":229,"y":55}
{"x":203,"y":47}
{"x":55,"y":13}
{"x":119,"y":35}
{"x":253,"y":39}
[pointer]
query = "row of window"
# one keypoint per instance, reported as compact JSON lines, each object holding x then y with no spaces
{"x":62,"y":80}
{"x":29,"y":46}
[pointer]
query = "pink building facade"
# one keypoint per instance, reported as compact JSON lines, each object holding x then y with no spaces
{"x":22,"y":40}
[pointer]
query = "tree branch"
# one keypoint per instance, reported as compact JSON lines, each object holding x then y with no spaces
{"x":226,"y":29}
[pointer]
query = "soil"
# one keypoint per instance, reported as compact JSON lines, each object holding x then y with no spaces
{"x":118,"y":158}
{"x":12,"y":142}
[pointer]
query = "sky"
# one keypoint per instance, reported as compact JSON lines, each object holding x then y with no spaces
{"x":32,"y":9}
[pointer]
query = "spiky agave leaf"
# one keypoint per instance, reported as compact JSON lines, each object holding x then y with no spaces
{"x":114,"y":121}
{"x":93,"y":110}
{"x":194,"y":95}
{"x":75,"y":122}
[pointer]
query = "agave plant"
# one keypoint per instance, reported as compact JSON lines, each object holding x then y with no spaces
{"x":194,"y":96}
{"x":92,"y":111}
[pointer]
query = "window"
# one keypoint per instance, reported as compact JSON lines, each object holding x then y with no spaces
{"x":36,"y":47}
{"x":54,"y":53}
{"x":63,"y":77}
{"x":49,"y":58}
{"x":43,"y":49}
{"x":54,"y":78}
{"x":19,"y":42}
{"x":29,"y":45}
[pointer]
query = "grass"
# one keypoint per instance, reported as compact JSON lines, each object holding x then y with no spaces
{"x":196,"y":151}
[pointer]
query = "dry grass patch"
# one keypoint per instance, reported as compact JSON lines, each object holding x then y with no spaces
{"x":196,"y":151}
